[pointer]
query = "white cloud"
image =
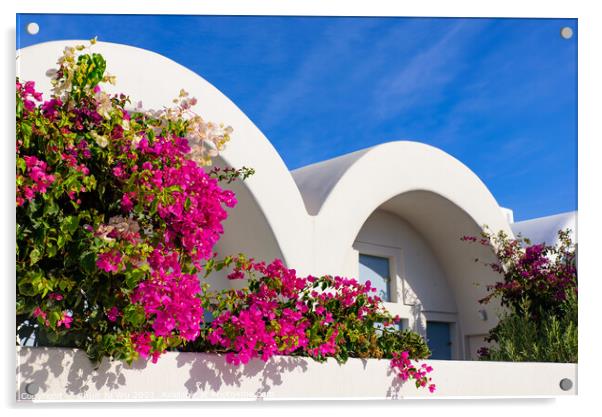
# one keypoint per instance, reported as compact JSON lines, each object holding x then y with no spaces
{"x":426,"y":75}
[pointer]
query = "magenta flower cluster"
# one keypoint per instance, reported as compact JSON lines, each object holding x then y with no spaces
{"x":260,"y":326}
{"x":29,"y":95}
{"x":283,"y":314}
{"x":194,"y":212}
{"x":544,"y":274}
{"x":35,"y":181}
{"x":406,"y":369}
{"x":170,"y":297}
{"x":34,"y":178}
{"x":64,"y":318}
{"x":158,"y":176}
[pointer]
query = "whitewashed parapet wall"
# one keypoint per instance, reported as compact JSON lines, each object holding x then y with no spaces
{"x":51,"y":374}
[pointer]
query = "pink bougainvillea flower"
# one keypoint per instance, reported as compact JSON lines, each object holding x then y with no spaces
{"x":55,"y":296}
{"x":37,"y":312}
{"x":142,"y":343}
{"x":65,"y":320}
{"x":113,"y":313}
{"x":109,"y":261}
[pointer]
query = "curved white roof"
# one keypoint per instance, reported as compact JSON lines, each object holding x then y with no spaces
{"x":383,"y":171}
{"x":316,"y":181}
{"x":545,"y":229}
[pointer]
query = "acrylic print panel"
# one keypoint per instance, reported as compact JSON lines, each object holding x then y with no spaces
{"x":194,"y":200}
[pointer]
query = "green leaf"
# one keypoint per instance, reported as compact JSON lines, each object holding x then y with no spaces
{"x":135,"y":315}
{"x":54,"y":317}
{"x":25,"y":288}
{"x":134,"y":277}
{"x":26,"y":133}
{"x":88,"y":262}
{"x":21,"y":164}
{"x":51,"y":250}
{"x":51,"y":208}
{"x":61,"y":240}
{"x":70,"y":224}
{"x":209,"y":266}
{"x":98,"y":71}
{"x":34,"y":256}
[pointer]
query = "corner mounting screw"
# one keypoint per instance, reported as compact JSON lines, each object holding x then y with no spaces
{"x":32,"y":388}
{"x":566,"y":32}
{"x":33,"y":28}
{"x":566,"y":384}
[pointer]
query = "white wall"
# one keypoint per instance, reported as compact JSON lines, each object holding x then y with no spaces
{"x":67,"y":374}
{"x":419,"y":287}
{"x":473,"y":344}
{"x":247,"y":231}
{"x":419,"y":271}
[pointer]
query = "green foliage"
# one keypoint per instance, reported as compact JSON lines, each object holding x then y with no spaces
{"x":552,"y":339}
{"x":539,"y":290}
{"x":229,"y":175}
{"x":55,"y":253}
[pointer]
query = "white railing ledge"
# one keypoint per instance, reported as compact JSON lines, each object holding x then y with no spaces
{"x":57,"y":374}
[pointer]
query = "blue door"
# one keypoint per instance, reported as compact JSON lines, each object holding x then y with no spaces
{"x":438,"y":337}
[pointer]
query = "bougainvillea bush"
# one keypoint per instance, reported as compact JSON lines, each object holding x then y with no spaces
{"x":114,"y":217}
{"x":282,"y":313}
{"x":539,"y":290}
{"x":118,"y":214}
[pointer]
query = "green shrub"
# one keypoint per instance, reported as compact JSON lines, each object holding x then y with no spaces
{"x":553,"y":338}
{"x":539,"y":290}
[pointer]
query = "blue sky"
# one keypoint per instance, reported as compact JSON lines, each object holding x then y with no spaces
{"x":498,"y":94}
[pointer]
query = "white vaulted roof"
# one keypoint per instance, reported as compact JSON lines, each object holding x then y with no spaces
{"x":545,"y":229}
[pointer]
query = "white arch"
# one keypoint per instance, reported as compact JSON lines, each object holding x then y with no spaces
{"x":441,"y":197}
{"x":155,"y":80}
{"x":344,"y":191}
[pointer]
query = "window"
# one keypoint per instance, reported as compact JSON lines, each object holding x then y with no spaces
{"x":376,"y":269}
{"x":404,"y":324}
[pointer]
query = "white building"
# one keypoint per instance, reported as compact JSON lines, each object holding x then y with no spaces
{"x":393,"y":213}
